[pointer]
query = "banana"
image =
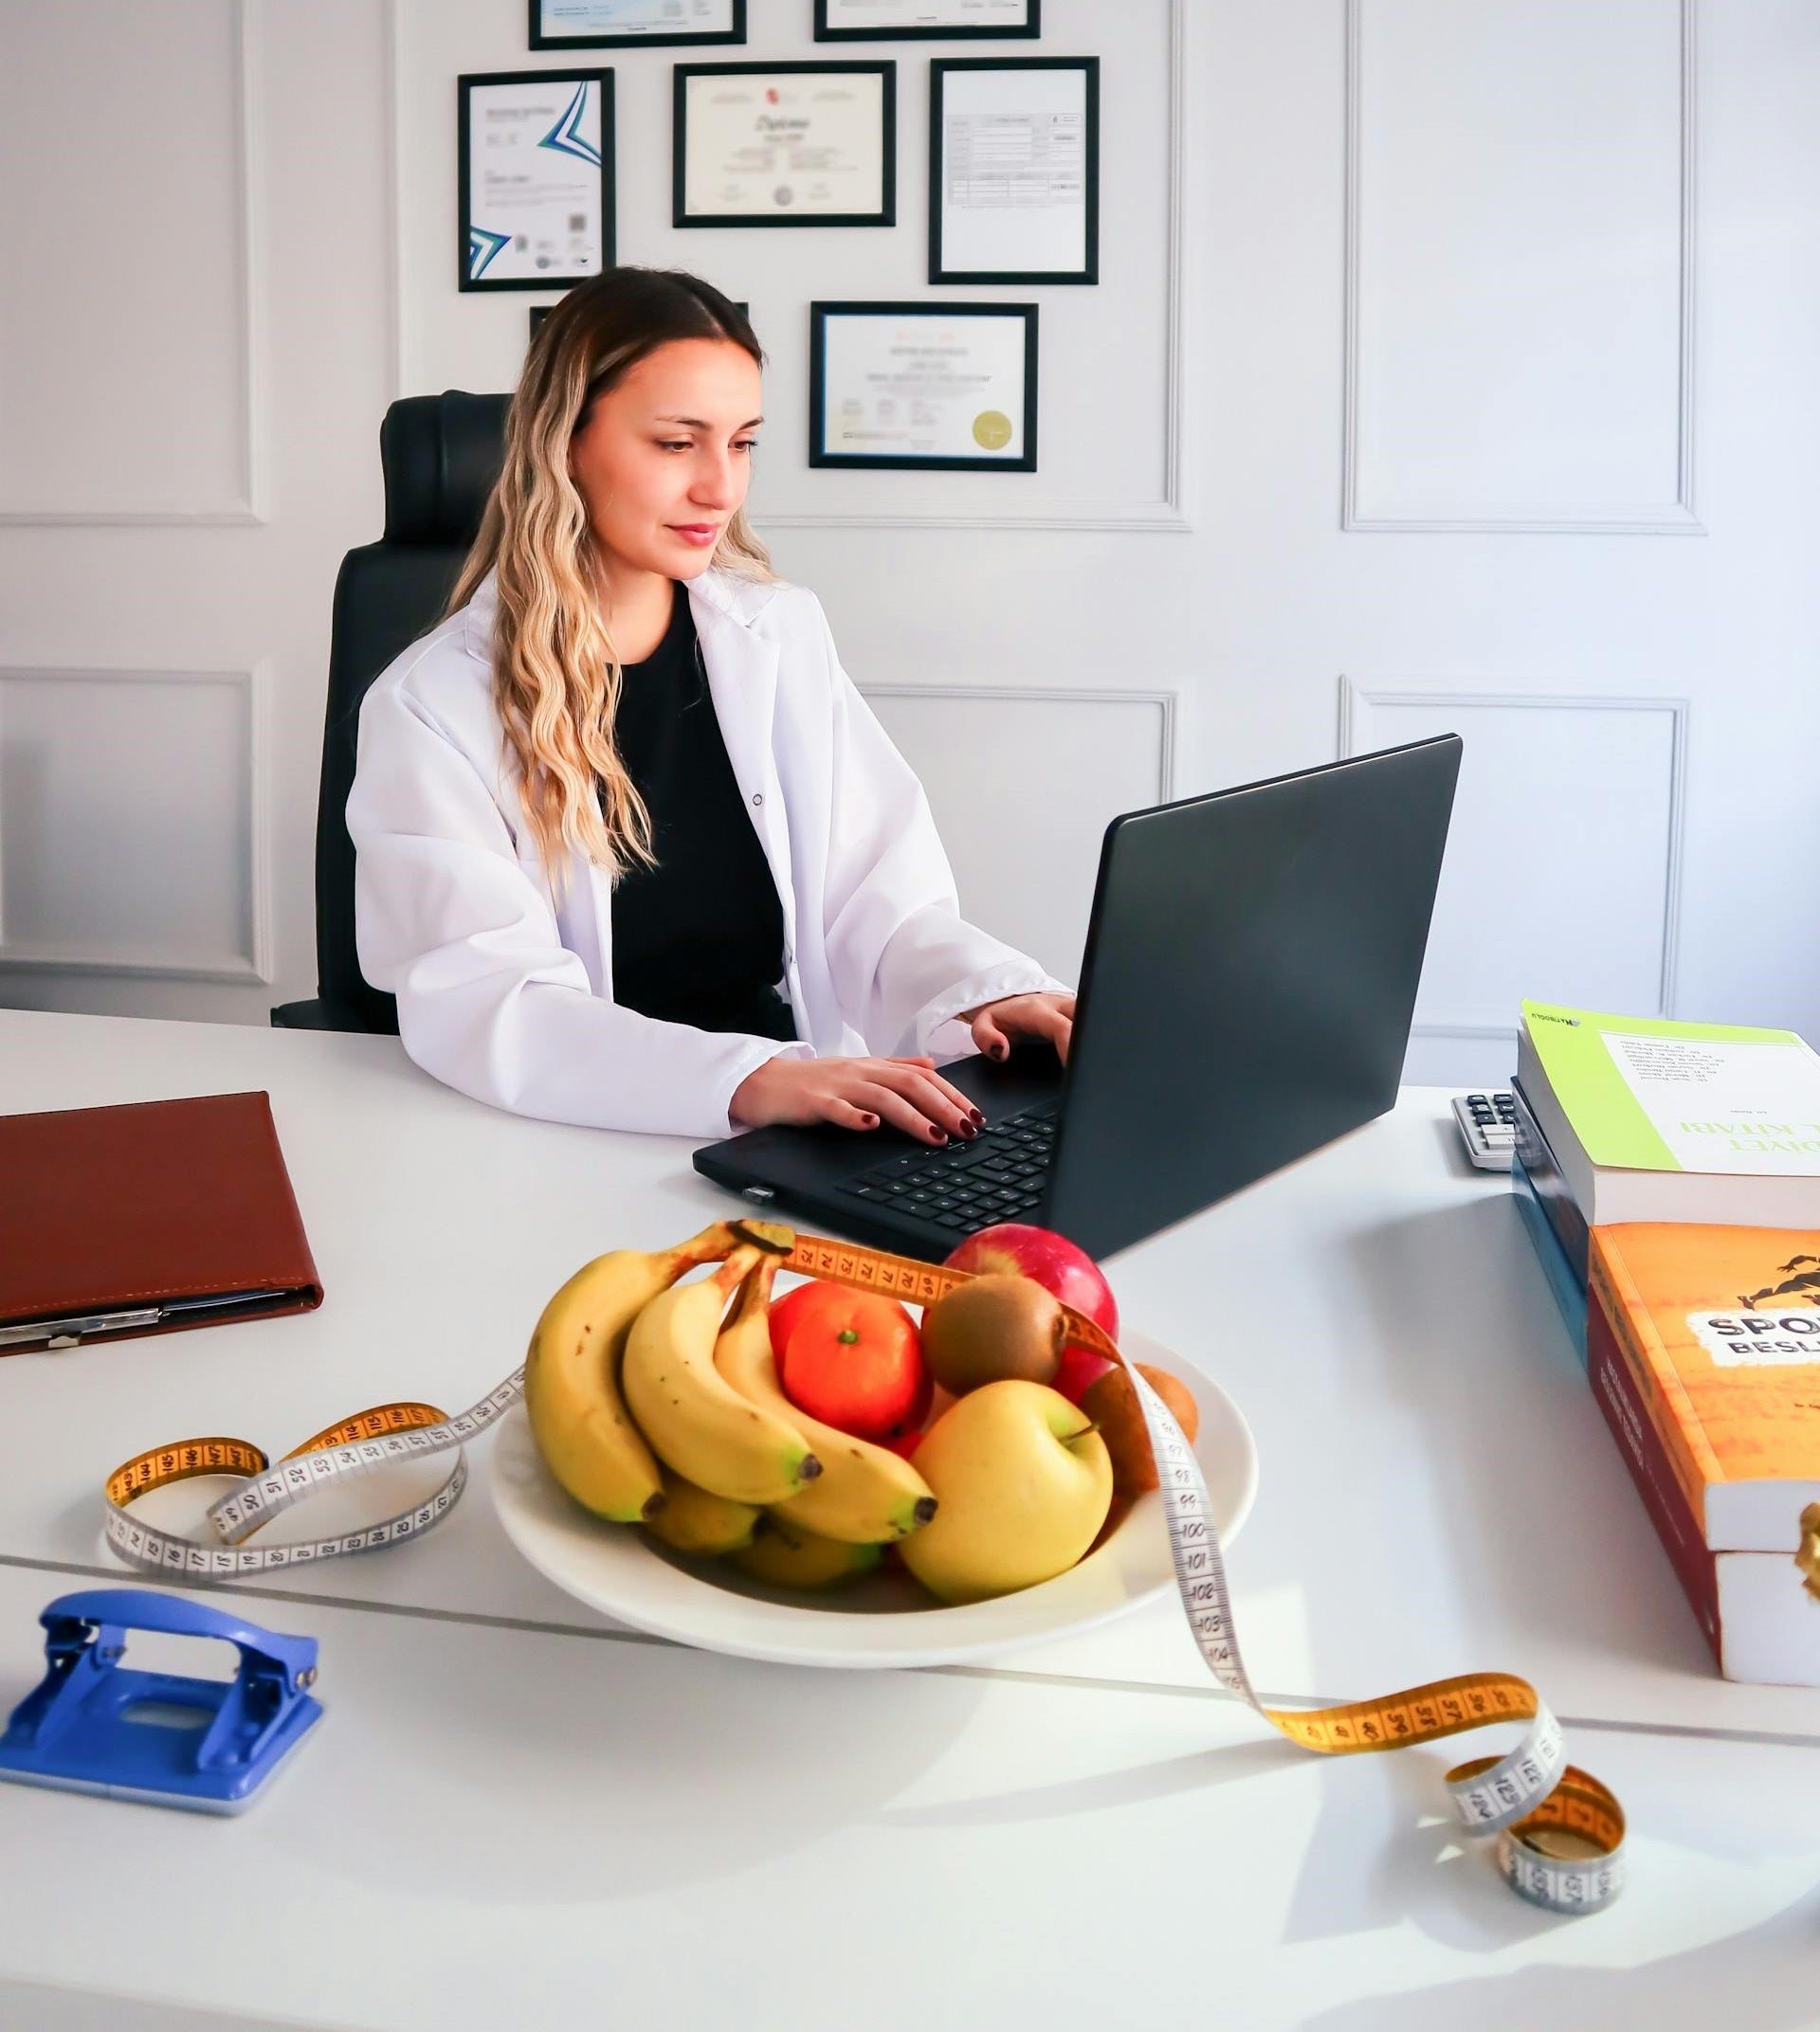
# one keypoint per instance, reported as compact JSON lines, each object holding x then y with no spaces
{"x":865,"y":1494}
{"x":786,"y":1556}
{"x":572,"y":1375}
{"x":696,"y":1422}
{"x":693,"y":1521}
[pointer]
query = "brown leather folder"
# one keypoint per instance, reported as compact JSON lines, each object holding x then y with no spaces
{"x":145,"y":1219}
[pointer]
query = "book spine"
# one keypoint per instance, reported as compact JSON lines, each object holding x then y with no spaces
{"x":1670,"y":1412}
{"x":1569,"y":1291}
{"x":1638,"y":1441}
{"x":1579,"y":1176}
{"x":1563,"y":1211}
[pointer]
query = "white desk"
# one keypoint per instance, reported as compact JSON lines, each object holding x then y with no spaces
{"x":1375,"y":1310}
{"x":513,"y":1785}
{"x":501,"y":1831}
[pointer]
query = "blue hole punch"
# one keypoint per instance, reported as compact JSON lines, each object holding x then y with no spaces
{"x":77,"y":1730}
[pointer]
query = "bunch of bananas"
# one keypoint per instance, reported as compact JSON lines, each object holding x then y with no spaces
{"x":651,"y":1403}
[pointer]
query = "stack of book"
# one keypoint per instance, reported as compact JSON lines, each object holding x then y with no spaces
{"x":1669,"y":1174}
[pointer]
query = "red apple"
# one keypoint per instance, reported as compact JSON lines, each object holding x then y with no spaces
{"x":1078,"y":1371}
{"x":1052,"y":1260}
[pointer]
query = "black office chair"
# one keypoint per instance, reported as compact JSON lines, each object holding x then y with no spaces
{"x":441,"y":455}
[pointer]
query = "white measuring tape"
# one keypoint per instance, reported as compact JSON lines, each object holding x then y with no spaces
{"x":1560,"y":1832}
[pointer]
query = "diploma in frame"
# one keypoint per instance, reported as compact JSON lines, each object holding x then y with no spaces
{"x":784,"y":144}
{"x":903,"y":21}
{"x":535,"y":174}
{"x":1014,"y":170}
{"x":634,"y":23}
{"x":941,"y":386}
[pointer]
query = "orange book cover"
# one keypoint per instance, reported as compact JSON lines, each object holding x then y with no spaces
{"x":1720,"y":1330}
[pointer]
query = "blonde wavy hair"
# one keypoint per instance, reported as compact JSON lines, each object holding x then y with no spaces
{"x":556,"y":672}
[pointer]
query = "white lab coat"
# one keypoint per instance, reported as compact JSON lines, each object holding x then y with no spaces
{"x":506,"y":993}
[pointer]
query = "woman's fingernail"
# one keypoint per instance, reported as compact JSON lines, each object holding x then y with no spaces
{"x":998,"y":1051}
{"x":979,"y":1120}
{"x":872,"y":1121}
{"x":968,"y":1129}
{"x":938,"y":1135}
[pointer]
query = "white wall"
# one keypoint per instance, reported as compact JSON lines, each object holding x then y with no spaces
{"x":1451,"y":367}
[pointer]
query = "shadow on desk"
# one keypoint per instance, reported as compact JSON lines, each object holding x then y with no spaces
{"x":1761,"y":1979}
{"x":1227,"y":1763}
{"x":679,"y":1767}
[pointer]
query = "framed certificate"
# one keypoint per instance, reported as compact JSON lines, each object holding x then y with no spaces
{"x":784,"y":144}
{"x":874,"y":20}
{"x":537,"y":178}
{"x":625,"y":24}
{"x":1014,"y":170}
{"x":945,"y":385}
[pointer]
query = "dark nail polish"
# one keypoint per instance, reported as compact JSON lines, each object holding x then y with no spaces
{"x":938,"y":1135}
{"x":979,"y":1120}
{"x":968,"y":1129}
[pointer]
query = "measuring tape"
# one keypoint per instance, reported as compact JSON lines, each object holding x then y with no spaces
{"x":1560,"y":1832}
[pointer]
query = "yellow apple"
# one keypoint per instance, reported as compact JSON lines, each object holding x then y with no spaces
{"x":1022,"y":1485}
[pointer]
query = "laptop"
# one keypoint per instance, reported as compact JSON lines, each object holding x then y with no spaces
{"x":1246,"y":997}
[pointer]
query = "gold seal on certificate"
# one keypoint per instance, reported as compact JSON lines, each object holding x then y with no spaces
{"x":946,"y":386}
{"x":784,"y":144}
{"x":536,"y":178}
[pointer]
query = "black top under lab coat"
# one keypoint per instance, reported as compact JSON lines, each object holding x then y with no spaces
{"x":699,"y":938}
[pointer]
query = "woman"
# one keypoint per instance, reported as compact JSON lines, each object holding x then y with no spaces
{"x":632,"y":849}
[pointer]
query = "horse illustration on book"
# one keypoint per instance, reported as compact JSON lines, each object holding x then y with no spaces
{"x":1806,"y":1284}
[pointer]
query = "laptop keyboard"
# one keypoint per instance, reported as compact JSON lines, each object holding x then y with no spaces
{"x":963,"y":1186}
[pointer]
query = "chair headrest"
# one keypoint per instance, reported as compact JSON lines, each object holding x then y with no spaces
{"x":441,"y":454}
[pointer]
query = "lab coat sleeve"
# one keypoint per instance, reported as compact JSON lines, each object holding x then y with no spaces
{"x":905,"y":962}
{"x":490,"y":1000}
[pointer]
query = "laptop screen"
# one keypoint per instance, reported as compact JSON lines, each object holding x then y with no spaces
{"x":1250,"y":981}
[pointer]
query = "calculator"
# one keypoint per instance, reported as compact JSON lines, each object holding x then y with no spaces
{"x":1488,"y":1122}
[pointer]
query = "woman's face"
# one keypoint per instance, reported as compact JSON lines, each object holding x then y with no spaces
{"x":667,"y":455}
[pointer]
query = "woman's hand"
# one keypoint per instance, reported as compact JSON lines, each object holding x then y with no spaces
{"x":995,"y":1024}
{"x":857,"y":1094}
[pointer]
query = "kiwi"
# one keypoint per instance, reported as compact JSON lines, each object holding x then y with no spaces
{"x":991,"y":1328}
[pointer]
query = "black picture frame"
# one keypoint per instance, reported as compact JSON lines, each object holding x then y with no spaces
{"x":464,"y":85}
{"x":888,"y":214}
{"x":541,"y":311}
{"x":694,"y":39}
{"x":819,"y":314}
{"x":1030,"y":31}
{"x":939,"y":68}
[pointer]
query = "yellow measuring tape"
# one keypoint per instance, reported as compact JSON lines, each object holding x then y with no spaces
{"x":1559,"y":1831}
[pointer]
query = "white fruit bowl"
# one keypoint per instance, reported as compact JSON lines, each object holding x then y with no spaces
{"x":884,"y":1620}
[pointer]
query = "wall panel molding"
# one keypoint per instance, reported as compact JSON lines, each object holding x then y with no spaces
{"x":250,"y":503}
{"x":1167,"y":704}
{"x":242,"y":958}
{"x":1024,"y":843}
{"x":1359,"y":703}
{"x":1677,"y":518}
{"x":1169,"y":515}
